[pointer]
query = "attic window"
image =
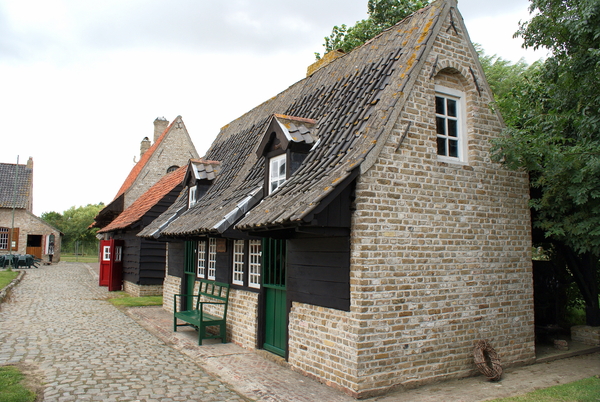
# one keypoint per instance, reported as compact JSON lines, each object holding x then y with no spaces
{"x":192,"y":196}
{"x":172,"y":168}
{"x":277,"y":172}
{"x":450,"y":124}
{"x":285,"y":144}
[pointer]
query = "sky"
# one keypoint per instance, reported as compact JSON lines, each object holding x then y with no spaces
{"x":82,"y":81}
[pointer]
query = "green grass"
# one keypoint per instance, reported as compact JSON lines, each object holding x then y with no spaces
{"x":6,"y":277}
{"x":122,"y":299}
{"x":11,"y":386}
{"x":70,"y":257}
{"x":586,"y":390}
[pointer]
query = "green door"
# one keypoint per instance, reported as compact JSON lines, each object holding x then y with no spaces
{"x":189,"y":273}
{"x":274,"y":276}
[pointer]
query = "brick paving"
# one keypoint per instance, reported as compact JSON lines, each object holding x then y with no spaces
{"x":57,"y":320}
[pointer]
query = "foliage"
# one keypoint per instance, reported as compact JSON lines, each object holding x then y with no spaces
{"x":554,"y":133}
{"x":11,"y":388}
{"x":382,"y":14}
{"x":74,"y":224}
{"x":584,"y":390}
{"x":6,"y":277}
{"x":90,"y":256}
{"x":122,"y":299}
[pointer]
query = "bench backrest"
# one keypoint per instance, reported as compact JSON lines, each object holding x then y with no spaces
{"x":214,"y":291}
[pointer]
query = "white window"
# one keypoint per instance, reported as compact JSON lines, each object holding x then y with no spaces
{"x":450,"y":124}
{"x":255,"y":254}
{"x":201,"y":271}
{"x":238,"y":262}
{"x":192,"y":196}
{"x":277,"y":172}
{"x":106,"y":253}
{"x":212,"y":258}
{"x":3,"y":239}
{"x":118,"y":253}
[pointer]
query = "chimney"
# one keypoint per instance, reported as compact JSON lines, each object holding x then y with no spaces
{"x":160,"y":125}
{"x":327,"y":58}
{"x":144,"y":146}
{"x":30,"y":163}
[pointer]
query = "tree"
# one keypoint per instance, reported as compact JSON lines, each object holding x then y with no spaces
{"x":74,"y":223}
{"x":382,"y":14}
{"x":554,"y":133}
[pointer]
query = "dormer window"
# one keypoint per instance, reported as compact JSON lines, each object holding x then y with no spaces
{"x":277,"y":172}
{"x":284,"y":146}
{"x":192,"y":196}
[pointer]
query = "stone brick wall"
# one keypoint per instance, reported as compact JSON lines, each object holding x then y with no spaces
{"x":30,"y":224}
{"x":586,"y":334}
{"x":242,"y":326}
{"x":171,"y":287}
{"x":175,"y":149}
{"x":440,"y":253}
{"x":136,"y":290}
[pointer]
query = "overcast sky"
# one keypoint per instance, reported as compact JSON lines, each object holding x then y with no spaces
{"x":82,"y":81}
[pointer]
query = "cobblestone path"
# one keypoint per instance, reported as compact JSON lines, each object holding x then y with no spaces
{"x":58,"y":320}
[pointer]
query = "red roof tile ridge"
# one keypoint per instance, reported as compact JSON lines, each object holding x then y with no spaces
{"x":137,"y":168}
{"x":147,"y":200}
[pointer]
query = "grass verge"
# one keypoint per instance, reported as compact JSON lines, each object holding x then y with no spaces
{"x":122,"y":299}
{"x":6,"y":277}
{"x":586,"y":390}
{"x":12,"y":388}
{"x":70,"y":257}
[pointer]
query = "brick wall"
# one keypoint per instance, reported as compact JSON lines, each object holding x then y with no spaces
{"x":175,"y":149}
{"x":30,"y":224}
{"x":136,"y":290}
{"x":440,"y":253}
{"x":171,"y":287}
{"x":242,"y":326}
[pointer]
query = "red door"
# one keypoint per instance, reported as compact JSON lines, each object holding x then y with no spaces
{"x":111,"y":264}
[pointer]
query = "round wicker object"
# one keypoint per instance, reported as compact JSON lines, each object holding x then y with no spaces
{"x":487,"y":360}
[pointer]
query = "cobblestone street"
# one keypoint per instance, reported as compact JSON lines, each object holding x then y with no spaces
{"x":58,"y":320}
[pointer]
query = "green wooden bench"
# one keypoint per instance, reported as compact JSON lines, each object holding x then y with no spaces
{"x":210,"y":309}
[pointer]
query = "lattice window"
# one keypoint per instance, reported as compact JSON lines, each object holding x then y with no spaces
{"x":201,"y":267}
{"x":254,"y":263}
{"x":212,"y":258}
{"x":238,"y":262}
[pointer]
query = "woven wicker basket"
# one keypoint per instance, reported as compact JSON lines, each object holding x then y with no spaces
{"x":487,"y":360}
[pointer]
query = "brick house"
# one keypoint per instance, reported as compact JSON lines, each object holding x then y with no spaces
{"x":368,"y":237}
{"x":151,"y":186}
{"x":27,"y":234}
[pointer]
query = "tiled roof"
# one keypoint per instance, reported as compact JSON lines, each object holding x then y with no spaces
{"x":147,"y":201}
{"x":8,"y":173}
{"x":355,"y":101}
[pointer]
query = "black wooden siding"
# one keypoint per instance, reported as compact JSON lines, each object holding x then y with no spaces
{"x":176,"y":258}
{"x":319,"y":271}
{"x":152,"y":262}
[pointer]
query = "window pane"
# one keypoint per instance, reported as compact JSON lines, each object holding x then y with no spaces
{"x":282,"y":168}
{"x":441,"y":146}
{"x":440,"y":125}
{"x":254,"y":263}
{"x":238,"y":262}
{"x":453,"y":151}
{"x":439,"y":105}
{"x":201,"y":273}
{"x":212,"y":258}
{"x":451,"y":108}
{"x":452,"y":128}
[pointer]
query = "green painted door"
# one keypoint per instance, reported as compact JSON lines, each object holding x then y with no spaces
{"x":274,"y":279}
{"x":189,"y":273}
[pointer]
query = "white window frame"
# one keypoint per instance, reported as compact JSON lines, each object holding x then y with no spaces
{"x":118,"y":253}
{"x":238,"y":262}
{"x":4,"y":238}
{"x":276,"y":177}
{"x":201,"y":261}
{"x":254,"y":263}
{"x":106,"y":253}
{"x":212,"y":258}
{"x":461,"y":126}
{"x":192,"y":196}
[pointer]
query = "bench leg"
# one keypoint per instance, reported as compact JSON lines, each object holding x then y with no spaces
{"x":223,"y":330}
{"x":174,"y":324}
